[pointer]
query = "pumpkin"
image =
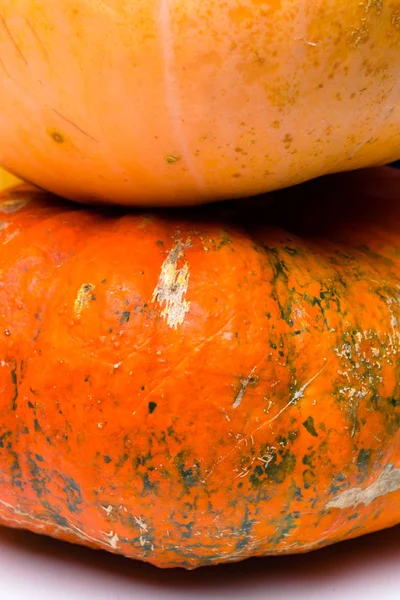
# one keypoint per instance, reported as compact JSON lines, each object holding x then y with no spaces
{"x":196,"y":388}
{"x":175,"y":102}
{"x":7,"y":180}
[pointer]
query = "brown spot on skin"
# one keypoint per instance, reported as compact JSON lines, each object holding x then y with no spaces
{"x":287,"y":140}
{"x":171,"y":159}
{"x":395,"y":18}
{"x":57,"y":137}
{"x":75,"y":125}
{"x":359,"y":35}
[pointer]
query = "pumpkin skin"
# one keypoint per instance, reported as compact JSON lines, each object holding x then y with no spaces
{"x":7,"y":180}
{"x":190,"y":390}
{"x":175,"y":102}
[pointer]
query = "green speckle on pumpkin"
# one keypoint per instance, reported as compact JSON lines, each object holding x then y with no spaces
{"x":152,"y":407}
{"x":309,"y":425}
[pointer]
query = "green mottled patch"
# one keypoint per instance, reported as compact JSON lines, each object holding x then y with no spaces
{"x":37,"y":426}
{"x":274,"y":470}
{"x":125,"y":317}
{"x":291,"y":251}
{"x":284,"y":441}
{"x":285,"y":526}
{"x":190,"y":475}
{"x":225,"y":240}
{"x":245,"y":530}
{"x":4,"y":437}
{"x":363,"y":460}
{"x":338,"y":484}
{"x":308,"y":459}
{"x":309,"y":425}
{"x":309,"y":478}
{"x":152,"y":407}
{"x":14,"y":381}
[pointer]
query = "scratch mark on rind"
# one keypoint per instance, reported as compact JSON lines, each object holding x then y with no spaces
{"x":110,"y":539}
{"x":296,"y":396}
{"x":244,"y":383}
{"x":76,"y":126}
{"x":12,"y":39}
{"x":42,"y":46}
{"x":388,"y":481}
{"x":172,"y":286}
{"x":2,"y":65}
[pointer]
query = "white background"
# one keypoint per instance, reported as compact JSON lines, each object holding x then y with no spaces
{"x":34,"y":567}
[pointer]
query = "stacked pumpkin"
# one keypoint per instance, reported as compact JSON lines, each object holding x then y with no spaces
{"x":199,"y":385}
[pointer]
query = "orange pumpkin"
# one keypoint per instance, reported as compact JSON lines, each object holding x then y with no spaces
{"x":189,"y":391}
{"x":175,"y":102}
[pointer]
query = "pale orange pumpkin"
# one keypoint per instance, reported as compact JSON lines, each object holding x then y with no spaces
{"x":177,"y":102}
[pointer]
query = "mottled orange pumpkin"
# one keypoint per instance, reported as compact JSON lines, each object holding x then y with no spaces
{"x":177,"y":102}
{"x":189,"y":389}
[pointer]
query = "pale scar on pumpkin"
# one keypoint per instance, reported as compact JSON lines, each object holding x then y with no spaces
{"x":172,"y":287}
{"x":23,"y":519}
{"x":83,"y":298}
{"x":13,"y":205}
{"x":388,"y":481}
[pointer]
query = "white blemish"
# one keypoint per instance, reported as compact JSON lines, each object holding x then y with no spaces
{"x":141,"y":524}
{"x":172,"y":95}
{"x":108,"y":509}
{"x":308,"y":42}
{"x":15,"y":510}
{"x":11,"y":236}
{"x":300,"y":393}
{"x":4,"y":225}
{"x":172,"y":286}
{"x":113,"y":540}
{"x":83,"y":298}
{"x":266,"y":459}
{"x":227,"y":335}
{"x":388,"y":481}
{"x":13,"y":205}
{"x":394,"y":324}
{"x":26,"y":520}
{"x":244,"y":383}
